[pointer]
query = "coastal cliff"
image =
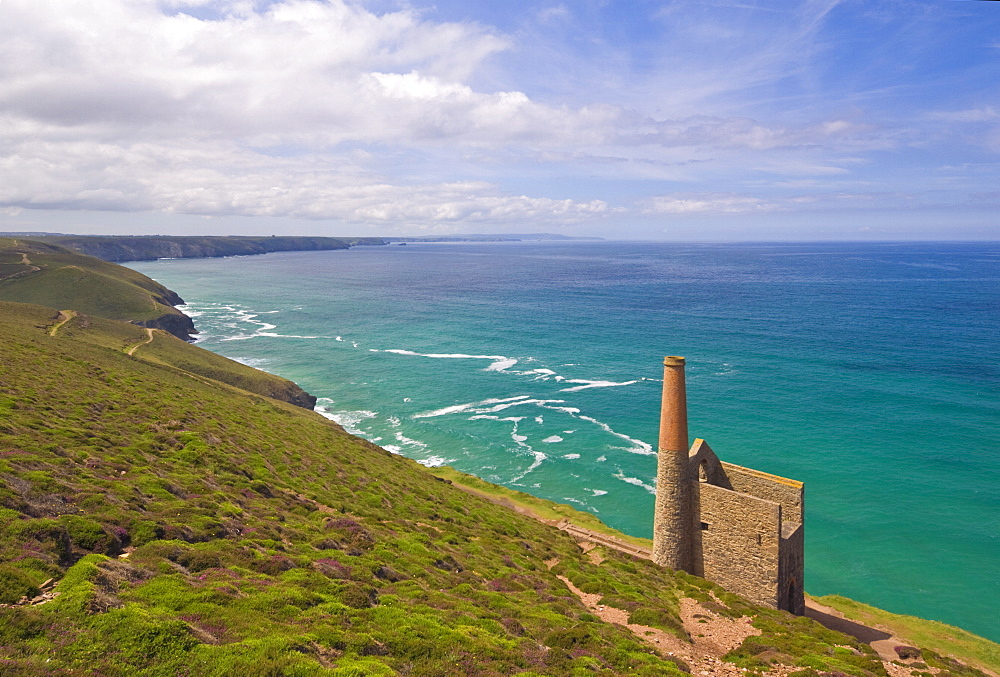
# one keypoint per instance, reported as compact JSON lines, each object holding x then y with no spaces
{"x":86,"y":289}
{"x":124,"y":248}
{"x":39,"y":272}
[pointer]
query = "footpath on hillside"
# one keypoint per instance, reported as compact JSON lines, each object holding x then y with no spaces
{"x":710,"y":633}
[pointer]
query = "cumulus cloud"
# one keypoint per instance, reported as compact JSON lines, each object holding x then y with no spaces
{"x":218,"y":180}
{"x":138,"y":105}
{"x":329,"y":110}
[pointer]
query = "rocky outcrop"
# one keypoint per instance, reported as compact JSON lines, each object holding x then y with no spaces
{"x":178,"y":324}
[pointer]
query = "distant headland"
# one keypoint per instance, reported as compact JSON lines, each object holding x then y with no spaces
{"x":121,"y":248}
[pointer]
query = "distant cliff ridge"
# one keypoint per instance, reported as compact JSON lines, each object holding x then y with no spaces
{"x":118,"y":308}
{"x":123,"y":248}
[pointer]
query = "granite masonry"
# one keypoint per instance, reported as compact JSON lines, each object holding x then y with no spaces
{"x":738,"y":527}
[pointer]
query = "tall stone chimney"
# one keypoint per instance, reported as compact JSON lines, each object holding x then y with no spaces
{"x":672,"y":523}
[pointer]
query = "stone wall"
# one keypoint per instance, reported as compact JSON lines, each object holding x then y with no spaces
{"x":738,"y":540}
{"x":786,"y":492}
{"x":791,"y":569}
{"x":746,"y":529}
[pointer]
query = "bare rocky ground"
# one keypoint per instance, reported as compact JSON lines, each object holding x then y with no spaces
{"x":712,"y":636}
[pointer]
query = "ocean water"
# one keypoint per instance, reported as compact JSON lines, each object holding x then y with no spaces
{"x":869,"y":371}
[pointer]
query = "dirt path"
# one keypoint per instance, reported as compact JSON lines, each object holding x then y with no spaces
{"x":711,"y":636}
{"x":25,"y":261}
{"x":149,"y":339}
{"x":883,"y":642}
{"x":62,"y":318}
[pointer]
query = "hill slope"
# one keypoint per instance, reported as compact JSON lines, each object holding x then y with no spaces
{"x":48,"y":275}
{"x":45,"y":274}
{"x":157,"y":518}
{"x":196,"y":529}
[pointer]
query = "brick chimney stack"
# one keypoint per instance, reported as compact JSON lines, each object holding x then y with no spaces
{"x":672,"y":519}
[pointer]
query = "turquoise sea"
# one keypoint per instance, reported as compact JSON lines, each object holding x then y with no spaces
{"x":869,"y":371}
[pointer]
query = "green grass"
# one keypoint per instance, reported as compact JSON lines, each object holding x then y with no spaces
{"x":544,"y":509}
{"x":66,"y":279}
{"x":263,"y":539}
{"x":932,"y":635}
{"x":261,"y":534}
{"x":99,"y":290}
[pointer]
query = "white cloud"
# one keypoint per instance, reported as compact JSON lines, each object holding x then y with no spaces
{"x":232,"y":181}
{"x":325,"y":109}
{"x":708,"y":203}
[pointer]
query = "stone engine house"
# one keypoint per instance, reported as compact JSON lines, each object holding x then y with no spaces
{"x":737,"y":527}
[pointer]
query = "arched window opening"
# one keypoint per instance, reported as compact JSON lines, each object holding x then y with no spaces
{"x":790,"y":600}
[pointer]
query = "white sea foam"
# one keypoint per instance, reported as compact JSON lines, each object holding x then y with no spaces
{"x":403,"y":439}
{"x":593,"y":384}
{"x":349,"y":420}
{"x":552,"y":439}
{"x":539,"y":456}
{"x":572,"y":411}
{"x":508,"y":405}
{"x":499,"y":362}
{"x":571,"y":457}
{"x":600,"y":459}
{"x":725,"y":370}
{"x":254,"y":362}
{"x":639,"y":447}
{"x":469,"y":406}
{"x":501,"y":365}
{"x":635,"y":481}
{"x":296,"y":336}
{"x":435,"y":461}
{"x":488,"y":417}
{"x":597,"y":492}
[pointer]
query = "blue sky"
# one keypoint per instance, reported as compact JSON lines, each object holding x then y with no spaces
{"x":677,"y":120}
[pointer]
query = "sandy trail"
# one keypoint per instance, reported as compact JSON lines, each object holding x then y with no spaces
{"x":62,"y":318}
{"x":149,"y":339}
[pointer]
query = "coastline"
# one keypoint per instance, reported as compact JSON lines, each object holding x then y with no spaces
{"x":272,"y":345}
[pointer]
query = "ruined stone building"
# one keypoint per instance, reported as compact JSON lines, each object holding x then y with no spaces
{"x":737,"y":527}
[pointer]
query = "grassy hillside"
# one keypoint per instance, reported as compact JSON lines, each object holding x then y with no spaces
{"x":192,"y":528}
{"x":932,"y":635}
{"x":160,"y":516}
{"x":45,"y":274}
